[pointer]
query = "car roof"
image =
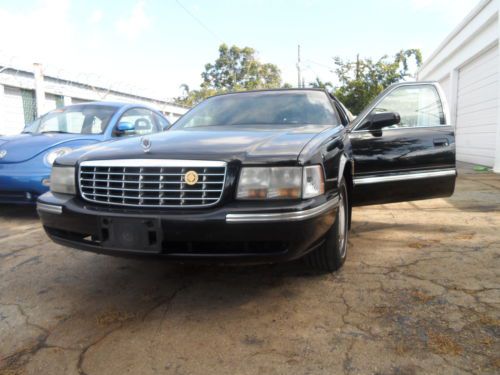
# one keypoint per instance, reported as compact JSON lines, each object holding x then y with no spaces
{"x":273,"y":90}
{"x":108,"y":104}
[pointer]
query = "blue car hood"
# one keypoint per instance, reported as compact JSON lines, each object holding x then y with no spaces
{"x":23,"y":147}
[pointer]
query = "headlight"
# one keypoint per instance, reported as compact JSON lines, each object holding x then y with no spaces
{"x":62,"y":180}
{"x":54,"y":154}
{"x":313,"y":183}
{"x":270,"y":183}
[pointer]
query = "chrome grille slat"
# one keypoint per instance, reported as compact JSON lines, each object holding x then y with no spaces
{"x":145,"y":182}
{"x":151,"y":183}
{"x":160,"y":190}
{"x":150,"y":198}
{"x":153,"y":174}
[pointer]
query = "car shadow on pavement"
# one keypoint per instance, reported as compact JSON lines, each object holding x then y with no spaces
{"x":362,"y":227}
{"x":134,"y":290}
{"x":18,"y":212}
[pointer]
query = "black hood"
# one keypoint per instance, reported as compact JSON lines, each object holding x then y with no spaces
{"x":248,"y":144}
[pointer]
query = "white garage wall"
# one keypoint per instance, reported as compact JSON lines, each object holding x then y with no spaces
{"x":466,"y":64}
{"x":446,"y":86}
{"x":52,"y":101}
{"x":477,"y":109}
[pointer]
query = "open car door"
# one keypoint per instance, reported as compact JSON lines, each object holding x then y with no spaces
{"x":403,"y":146}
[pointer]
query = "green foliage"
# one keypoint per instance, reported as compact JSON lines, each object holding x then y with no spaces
{"x":319,"y":84}
{"x":236,"y":69}
{"x":193,"y":97}
{"x":363,"y":79}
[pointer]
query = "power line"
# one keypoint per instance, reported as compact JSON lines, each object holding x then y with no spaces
{"x":200,"y":22}
{"x":322,"y":65}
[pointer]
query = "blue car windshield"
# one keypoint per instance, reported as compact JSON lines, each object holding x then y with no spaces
{"x":275,"y":108}
{"x":78,"y":119}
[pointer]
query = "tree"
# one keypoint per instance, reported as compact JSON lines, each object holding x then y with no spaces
{"x":235,"y":69}
{"x":319,"y":84}
{"x":185,"y":89}
{"x":363,"y":79}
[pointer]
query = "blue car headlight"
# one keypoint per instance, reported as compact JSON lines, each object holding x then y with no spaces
{"x":51,"y":156}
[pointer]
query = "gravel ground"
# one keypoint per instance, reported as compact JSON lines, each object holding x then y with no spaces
{"x":420,"y":293}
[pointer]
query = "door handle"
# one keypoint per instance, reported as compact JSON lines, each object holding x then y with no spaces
{"x":441,"y":142}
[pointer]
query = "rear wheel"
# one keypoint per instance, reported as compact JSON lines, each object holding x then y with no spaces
{"x":332,"y":254}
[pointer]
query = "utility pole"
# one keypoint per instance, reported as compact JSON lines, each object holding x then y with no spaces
{"x":39,"y":89}
{"x":299,"y":80}
{"x":357,"y":66}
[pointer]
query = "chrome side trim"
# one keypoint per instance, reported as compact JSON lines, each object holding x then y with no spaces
{"x":407,"y":128}
{"x":285,"y":216}
{"x":152,"y":163}
{"x":342,"y":163}
{"x":404,"y":177}
{"x":50,"y":208}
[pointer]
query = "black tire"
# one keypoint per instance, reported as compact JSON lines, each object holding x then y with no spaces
{"x":332,"y":254}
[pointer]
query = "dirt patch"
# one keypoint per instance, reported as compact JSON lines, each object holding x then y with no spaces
{"x":421,"y":296}
{"x":114,"y":316}
{"x":442,"y":344}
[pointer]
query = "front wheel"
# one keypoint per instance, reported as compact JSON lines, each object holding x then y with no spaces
{"x":332,"y":254}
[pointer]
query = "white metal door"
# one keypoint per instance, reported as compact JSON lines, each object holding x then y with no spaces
{"x":477,"y":109}
{"x":13,"y":111}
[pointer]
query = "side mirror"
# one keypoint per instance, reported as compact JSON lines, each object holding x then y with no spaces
{"x":383,"y":119}
{"x":124,"y":127}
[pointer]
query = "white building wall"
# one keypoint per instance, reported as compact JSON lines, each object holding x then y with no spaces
{"x":12,"y":81}
{"x":464,"y":58}
{"x":12,"y":121}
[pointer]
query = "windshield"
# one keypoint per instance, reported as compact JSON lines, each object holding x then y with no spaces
{"x":262,"y":108}
{"x":78,"y":119}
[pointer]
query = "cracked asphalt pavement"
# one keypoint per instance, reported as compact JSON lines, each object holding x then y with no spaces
{"x":419,"y":293}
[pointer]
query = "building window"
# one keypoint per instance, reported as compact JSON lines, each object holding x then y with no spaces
{"x":29,"y":105}
{"x":59,"y":101}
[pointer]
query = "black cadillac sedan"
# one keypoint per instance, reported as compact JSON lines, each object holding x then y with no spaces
{"x":254,"y":177}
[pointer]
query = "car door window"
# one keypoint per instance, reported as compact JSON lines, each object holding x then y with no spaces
{"x":143,"y":120}
{"x":418,"y":106}
{"x":162,"y":122}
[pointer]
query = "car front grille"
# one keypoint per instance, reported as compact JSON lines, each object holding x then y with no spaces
{"x":152,"y":182}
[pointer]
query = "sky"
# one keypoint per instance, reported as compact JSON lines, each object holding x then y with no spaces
{"x":154,"y":46}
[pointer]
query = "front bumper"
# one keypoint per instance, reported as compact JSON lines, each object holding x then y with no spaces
{"x":233,"y":233}
{"x":22,"y":186}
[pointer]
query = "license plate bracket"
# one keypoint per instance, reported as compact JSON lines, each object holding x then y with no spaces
{"x":139,"y":235}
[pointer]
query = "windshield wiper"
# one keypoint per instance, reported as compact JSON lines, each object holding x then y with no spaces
{"x":55,"y":131}
{"x":268,"y":123}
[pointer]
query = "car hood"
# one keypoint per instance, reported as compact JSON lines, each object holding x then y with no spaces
{"x":22,"y":147}
{"x":257,"y":145}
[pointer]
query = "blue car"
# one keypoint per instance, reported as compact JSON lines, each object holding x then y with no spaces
{"x":26,"y":158}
